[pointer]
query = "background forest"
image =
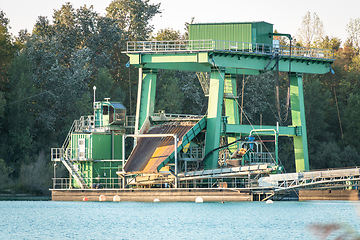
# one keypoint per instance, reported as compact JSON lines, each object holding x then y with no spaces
{"x":46,"y":80}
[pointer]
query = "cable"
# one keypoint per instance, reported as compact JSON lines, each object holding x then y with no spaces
{"x":214,"y":64}
{"x":36,"y":95}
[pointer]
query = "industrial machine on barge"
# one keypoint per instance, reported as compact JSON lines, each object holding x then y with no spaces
{"x":179,"y":157}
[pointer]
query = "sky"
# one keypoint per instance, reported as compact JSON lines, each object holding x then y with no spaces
{"x":286,"y":15}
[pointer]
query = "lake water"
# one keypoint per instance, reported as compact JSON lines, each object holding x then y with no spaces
{"x":134,"y":220}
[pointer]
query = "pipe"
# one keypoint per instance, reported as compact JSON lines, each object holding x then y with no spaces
{"x":137,"y":118}
{"x":176,"y":161}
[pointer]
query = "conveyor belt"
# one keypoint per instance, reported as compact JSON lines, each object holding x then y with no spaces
{"x":149,"y":153}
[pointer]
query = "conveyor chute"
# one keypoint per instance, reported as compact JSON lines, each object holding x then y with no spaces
{"x":151,"y":154}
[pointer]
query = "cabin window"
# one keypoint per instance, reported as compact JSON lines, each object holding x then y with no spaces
{"x":105,"y":110}
{"x":111,"y":114}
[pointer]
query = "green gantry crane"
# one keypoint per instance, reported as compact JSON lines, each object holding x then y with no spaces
{"x":225,"y":50}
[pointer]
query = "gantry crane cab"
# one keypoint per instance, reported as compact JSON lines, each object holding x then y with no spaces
{"x":109,"y":114}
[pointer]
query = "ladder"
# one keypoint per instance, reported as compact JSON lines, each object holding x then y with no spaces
{"x":204,"y":79}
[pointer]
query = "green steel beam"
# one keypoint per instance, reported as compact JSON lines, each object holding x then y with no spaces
{"x":147,"y":98}
{"x":214,"y":117}
{"x":249,"y":62}
{"x":259,"y":62}
{"x":298,"y":119}
{"x":231,"y":106}
{"x":245,"y":129}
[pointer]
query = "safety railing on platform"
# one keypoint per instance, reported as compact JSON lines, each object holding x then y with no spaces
{"x":254,"y":158}
{"x":229,"y":46}
{"x":93,"y":183}
{"x":264,"y":157}
{"x":85,"y":123}
{"x":229,"y":182}
{"x":194,"y":153}
{"x":130,"y":121}
{"x":178,"y":116}
{"x":71,"y":154}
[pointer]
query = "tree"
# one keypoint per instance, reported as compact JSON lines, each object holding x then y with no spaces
{"x":103,"y":84}
{"x":311,"y":31}
{"x":19,"y":114}
{"x":331,"y":43}
{"x":7,"y":49}
{"x":133,"y":17}
{"x":167,"y":34}
{"x":168,"y":96}
{"x":353,"y":29}
{"x":66,"y":58}
{"x":350,"y":122}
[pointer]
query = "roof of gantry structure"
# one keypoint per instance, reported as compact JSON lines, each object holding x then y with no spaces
{"x":234,"y":57}
{"x":240,"y":47}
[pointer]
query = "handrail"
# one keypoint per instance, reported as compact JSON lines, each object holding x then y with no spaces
{"x":229,"y":46}
{"x":72,"y":154}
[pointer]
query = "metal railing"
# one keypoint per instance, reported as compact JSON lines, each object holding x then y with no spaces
{"x":192,"y":153}
{"x":71,"y":154}
{"x":94,"y":183}
{"x":85,"y":123}
{"x":228,"y":46}
{"x":229,"y":182}
{"x":177,"y":115}
{"x":264,"y":157}
{"x":130,"y":121}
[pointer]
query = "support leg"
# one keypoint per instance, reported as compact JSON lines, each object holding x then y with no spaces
{"x":146,"y":97}
{"x":231,"y":106}
{"x":216,"y":95}
{"x":298,"y":120}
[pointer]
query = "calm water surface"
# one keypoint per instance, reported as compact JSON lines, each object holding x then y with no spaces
{"x":132,"y":220}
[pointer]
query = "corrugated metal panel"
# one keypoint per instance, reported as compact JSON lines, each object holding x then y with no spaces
{"x":262,"y":32}
{"x":149,"y":153}
{"x":255,"y":32}
{"x":101,"y":146}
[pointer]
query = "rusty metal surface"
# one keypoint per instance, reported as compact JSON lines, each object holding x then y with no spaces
{"x":149,"y":153}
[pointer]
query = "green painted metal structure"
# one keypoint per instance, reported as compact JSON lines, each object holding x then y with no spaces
{"x":93,"y":150}
{"x":250,"y":32}
{"x":247,"y":53}
{"x":190,"y":135}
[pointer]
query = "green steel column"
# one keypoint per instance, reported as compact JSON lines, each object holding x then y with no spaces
{"x":298,"y":120}
{"x":216,"y":95}
{"x":147,"y":98}
{"x":231,"y":106}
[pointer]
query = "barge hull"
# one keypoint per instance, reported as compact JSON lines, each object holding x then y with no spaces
{"x":328,"y":194}
{"x":149,"y":195}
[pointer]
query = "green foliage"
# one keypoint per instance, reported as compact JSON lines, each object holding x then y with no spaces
{"x":258,"y":98}
{"x":133,"y":17}
{"x":169,"y":98}
{"x":351,"y":121}
{"x":103,"y":84}
{"x":7,"y":49}
{"x":167,"y":34}
{"x":19,"y":114}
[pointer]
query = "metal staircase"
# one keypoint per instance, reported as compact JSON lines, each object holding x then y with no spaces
{"x":74,"y":173}
{"x":62,"y":154}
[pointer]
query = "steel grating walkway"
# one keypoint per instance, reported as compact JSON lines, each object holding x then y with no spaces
{"x":298,"y":180}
